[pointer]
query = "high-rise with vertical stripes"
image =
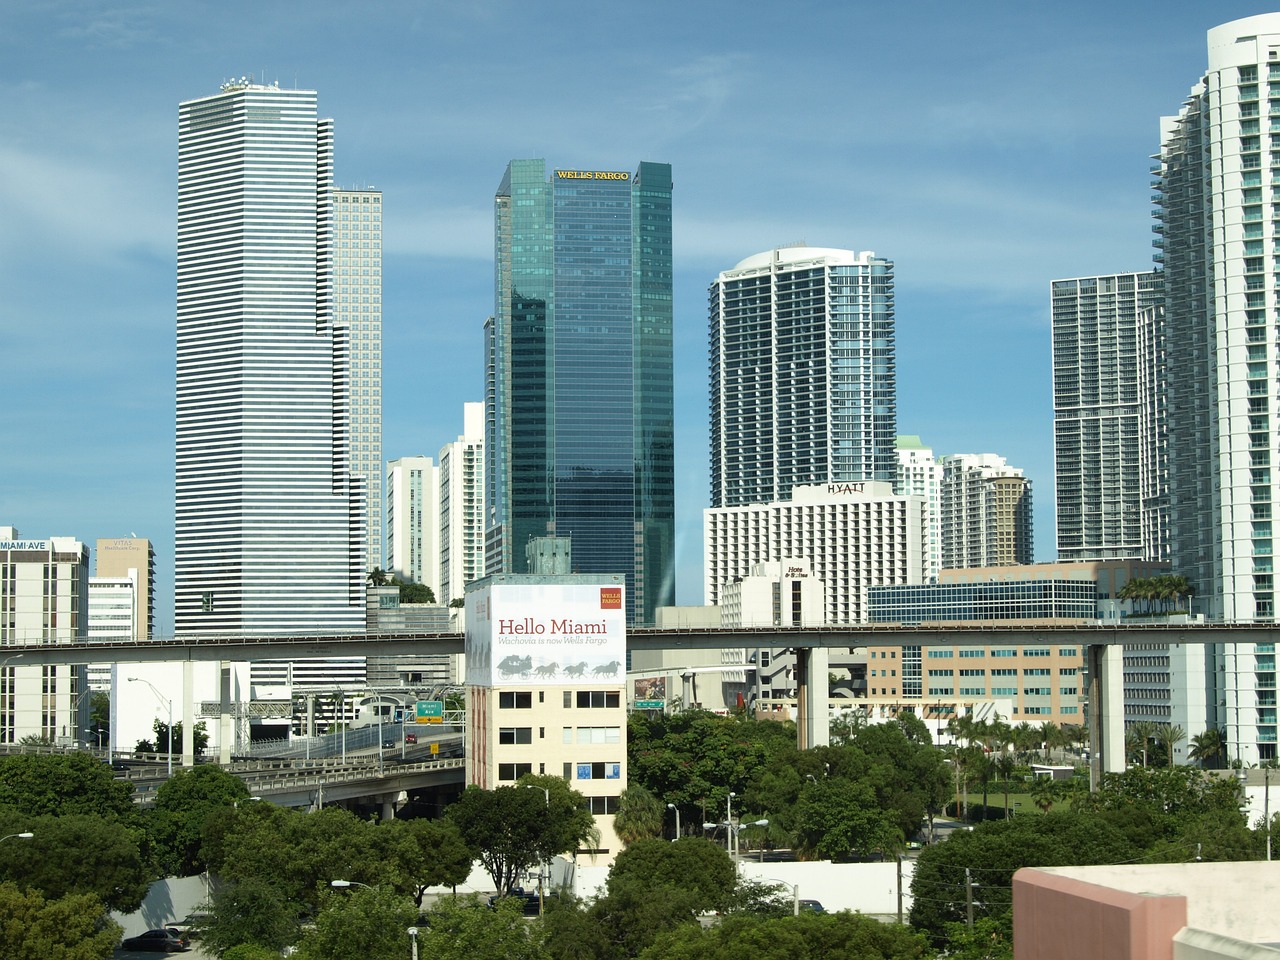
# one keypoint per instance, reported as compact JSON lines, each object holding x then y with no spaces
{"x":803,"y":377}
{"x":1217,"y":181}
{"x":271,"y":521}
{"x":579,"y":391}
{"x":1098,"y":421}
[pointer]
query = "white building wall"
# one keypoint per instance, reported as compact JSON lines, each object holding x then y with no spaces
{"x":462,"y":516}
{"x":920,"y":475}
{"x":853,"y":535}
{"x":413,"y":521}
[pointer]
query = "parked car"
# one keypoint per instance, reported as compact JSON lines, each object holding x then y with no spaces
{"x":410,"y":738}
{"x":527,"y":899}
{"x":813,"y":906}
{"x":192,"y":925}
{"x":158,"y":941}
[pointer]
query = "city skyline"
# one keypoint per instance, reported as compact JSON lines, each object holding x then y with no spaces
{"x":971,"y":171}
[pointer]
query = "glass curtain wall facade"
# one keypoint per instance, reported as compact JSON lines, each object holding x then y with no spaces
{"x":1097,"y":415}
{"x":802,"y":371}
{"x":270,"y":524}
{"x":1218,"y":235}
{"x":579,"y":401}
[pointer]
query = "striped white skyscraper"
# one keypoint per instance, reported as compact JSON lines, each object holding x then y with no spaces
{"x":357,"y":312}
{"x":270,"y":523}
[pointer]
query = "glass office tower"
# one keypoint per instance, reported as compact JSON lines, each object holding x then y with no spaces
{"x":579,"y":375}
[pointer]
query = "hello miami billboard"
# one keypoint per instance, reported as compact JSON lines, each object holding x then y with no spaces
{"x":537,"y":634}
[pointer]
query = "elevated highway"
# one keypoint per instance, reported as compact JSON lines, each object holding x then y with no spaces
{"x":307,"y":646}
{"x":1102,"y":642}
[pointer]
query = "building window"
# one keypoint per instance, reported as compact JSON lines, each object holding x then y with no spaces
{"x":599,"y":771}
{"x":602,"y":805}
{"x":513,"y":771}
{"x":599,"y":735}
{"x":597,"y":698}
{"x":515,"y":700}
{"x":510,"y":735}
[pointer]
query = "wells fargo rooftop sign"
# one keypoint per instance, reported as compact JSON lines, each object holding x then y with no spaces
{"x":593,"y":175}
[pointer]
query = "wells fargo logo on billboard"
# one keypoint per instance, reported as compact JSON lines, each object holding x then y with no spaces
{"x":610,"y":598}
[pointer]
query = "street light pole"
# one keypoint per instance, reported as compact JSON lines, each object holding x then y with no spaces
{"x":21,"y":836}
{"x":795,"y":894}
{"x":672,"y":806}
{"x":546,"y":795}
{"x":728,"y":820}
{"x":162,"y":699}
{"x":413,"y":943}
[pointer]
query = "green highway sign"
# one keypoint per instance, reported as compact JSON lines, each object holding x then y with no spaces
{"x":650,"y":704}
{"x":429,"y":711}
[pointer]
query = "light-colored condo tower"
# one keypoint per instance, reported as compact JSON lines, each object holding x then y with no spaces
{"x":1098,"y":421}
{"x":1218,"y":237}
{"x":462,"y":516}
{"x":413,"y":521}
{"x":986,"y":512}
{"x":803,"y":383}
{"x":271,"y":529}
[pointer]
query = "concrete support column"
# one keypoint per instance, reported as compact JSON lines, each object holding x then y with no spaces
{"x":226,"y":723}
{"x":188,"y":714}
{"x":813,"y":708}
{"x":1106,"y":710}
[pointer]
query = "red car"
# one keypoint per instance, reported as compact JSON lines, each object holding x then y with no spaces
{"x":410,"y":738}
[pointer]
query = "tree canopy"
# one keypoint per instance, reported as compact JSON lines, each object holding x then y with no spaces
{"x":810,"y":935}
{"x":510,"y":829}
{"x":183,"y":805}
{"x":55,"y":784}
{"x":71,"y":927}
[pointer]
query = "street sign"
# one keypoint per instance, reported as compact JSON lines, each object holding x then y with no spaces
{"x":650,"y":704}
{"x":429,"y":711}
{"x":435,"y":749}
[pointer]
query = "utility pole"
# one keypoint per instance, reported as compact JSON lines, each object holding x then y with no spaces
{"x":968,"y":895}
{"x":899,"y":889}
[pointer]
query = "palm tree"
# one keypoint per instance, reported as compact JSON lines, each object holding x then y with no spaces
{"x":1005,"y":765}
{"x":1025,"y":739}
{"x":1170,"y":735}
{"x":1051,"y":736}
{"x":1141,"y":733}
{"x":1207,"y":747}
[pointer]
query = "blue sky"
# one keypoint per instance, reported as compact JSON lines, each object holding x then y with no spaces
{"x":985,"y":148}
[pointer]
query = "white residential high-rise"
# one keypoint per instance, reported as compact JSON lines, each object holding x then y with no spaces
{"x":357,"y":313}
{"x":462,"y":517}
{"x":270,"y":522}
{"x":803,"y":383}
{"x":986,"y":512}
{"x":920,"y":475}
{"x":413,"y":521}
{"x":1217,"y":180}
{"x":1098,"y":417}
